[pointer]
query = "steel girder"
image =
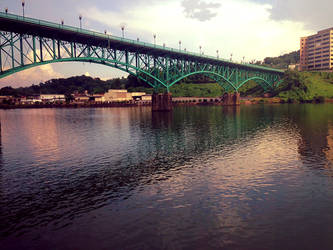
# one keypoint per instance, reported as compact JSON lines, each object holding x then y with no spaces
{"x":22,"y":51}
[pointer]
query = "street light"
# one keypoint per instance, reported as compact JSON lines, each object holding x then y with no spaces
{"x":138,"y":39}
{"x":243,"y":59}
{"x":154,"y":35}
{"x":163,"y":45}
{"x":6,"y":10}
{"x":180,"y":45}
{"x":80,"y":18}
{"x":231,"y":57}
{"x":122,"y":29}
{"x":62,"y":22}
{"x":217,"y":54}
{"x":200,"y":47}
{"x":23,"y":3}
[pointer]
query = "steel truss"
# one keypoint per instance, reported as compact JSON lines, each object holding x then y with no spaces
{"x":22,"y":51}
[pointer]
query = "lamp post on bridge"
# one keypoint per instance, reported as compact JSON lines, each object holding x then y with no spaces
{"x":217,"y":54}
{"x":23,"y":4}
{"x":231,"y":57}
{"x":6,"y":10}
{"x":62,"y":22}
{"x":180,"y":45}
{"x":243,"y":59}
{"x":122,"y":29}
{"x":80,"y":18}
{"x":200,"y":47}
{"x":154,"y":35}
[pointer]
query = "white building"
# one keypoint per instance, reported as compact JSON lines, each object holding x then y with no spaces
{"x":52,"y":98}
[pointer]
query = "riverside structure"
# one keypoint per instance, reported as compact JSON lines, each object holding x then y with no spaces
{"x":27,"y":42}
{"x":316,"y":51}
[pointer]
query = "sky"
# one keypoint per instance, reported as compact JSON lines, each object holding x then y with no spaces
{"x":253,"y":29}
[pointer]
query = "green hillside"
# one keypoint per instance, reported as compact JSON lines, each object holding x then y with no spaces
{"x":298,"y":86}
{"x":280,"y":62}
{"x":306,"y":86}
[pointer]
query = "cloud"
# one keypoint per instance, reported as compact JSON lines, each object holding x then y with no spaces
{"x":30,"y":76}
{"x":315,"y":15}
{"x":200,"y":10}
{"x":244,"y":29}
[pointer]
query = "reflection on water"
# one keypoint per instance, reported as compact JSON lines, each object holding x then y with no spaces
{"x":255,"y":177}
{"x":329,"y":149}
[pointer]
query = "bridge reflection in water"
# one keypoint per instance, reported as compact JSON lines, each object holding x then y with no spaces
{"x":226,"y":177}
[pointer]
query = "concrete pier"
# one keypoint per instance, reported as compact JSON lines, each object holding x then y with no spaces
{"x":161,"y":102}
{"x":231,"y":99}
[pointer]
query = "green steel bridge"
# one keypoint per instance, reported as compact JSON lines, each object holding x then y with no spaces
{"x":27,"y":42}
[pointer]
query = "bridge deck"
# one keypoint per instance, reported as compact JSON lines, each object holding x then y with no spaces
{"x":31,"y":26}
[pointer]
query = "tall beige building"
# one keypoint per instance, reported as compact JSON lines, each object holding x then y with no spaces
{"x":316,"y":51}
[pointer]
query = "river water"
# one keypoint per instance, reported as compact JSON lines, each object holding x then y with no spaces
{"x":209,"y":177}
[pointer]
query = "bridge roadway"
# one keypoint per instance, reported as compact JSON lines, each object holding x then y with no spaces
{"x":28,"y":42}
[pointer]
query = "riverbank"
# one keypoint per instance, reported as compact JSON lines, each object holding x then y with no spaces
{"x":177,"y":101}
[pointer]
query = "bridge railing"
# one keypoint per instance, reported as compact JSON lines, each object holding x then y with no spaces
{"x":125,"y":40}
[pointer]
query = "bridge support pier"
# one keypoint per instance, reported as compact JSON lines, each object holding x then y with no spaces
{"x":231,"y":99}
{"x":161,"y":102}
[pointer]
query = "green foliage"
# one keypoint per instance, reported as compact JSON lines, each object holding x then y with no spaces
{"x":77,"y":83}
{"x":280,"y":62}
{"x":306,"y":86}
{"x":197,"y":90}
{"x":251,"y":88}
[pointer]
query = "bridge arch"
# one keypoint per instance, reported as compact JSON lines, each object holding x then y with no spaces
{"x":113,"y":63}
{"x":101,"y":61}
{"x":210,"y":74}
{"x":256,"y":79}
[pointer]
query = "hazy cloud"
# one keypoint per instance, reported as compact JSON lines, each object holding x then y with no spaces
{"x":30,"y":76}
{"x":314,"y":14}
{"x":200,"y":10}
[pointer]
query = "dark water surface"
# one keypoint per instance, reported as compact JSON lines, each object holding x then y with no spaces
{"x":256,"y":177}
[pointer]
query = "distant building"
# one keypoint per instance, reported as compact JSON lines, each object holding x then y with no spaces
{"x":293,"y":66}
{"x":97,"y":98}
{"x":137,"y":96}
{"x":146,"y":97}
{"x":80,"y":98}
{"x":52,"y":98}
{"x":5,"y":99}
{"x":31,"y":99}
{"x":117,"y":95}
{"x":316,"y":52}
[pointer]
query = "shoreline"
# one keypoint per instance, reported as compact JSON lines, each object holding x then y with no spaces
{"x":177,"y":101}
